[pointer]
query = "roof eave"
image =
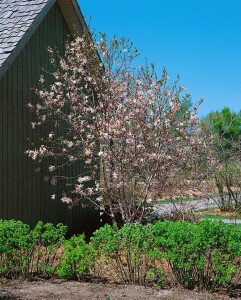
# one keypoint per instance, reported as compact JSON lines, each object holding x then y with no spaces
{"x":73,"y":16}
{"x":75,"y":19}
{"x":26,"y":37}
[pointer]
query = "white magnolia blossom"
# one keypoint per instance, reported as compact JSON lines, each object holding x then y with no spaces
{"x":52,"y":168}
{"x":84,"y":179}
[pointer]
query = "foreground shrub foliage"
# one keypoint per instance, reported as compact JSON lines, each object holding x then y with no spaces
{"x":203,"y":255}
{"x":14,"y":248}
{"x":77,"y":259}
{"x":128,"y":252}
{"x":25,"y":252}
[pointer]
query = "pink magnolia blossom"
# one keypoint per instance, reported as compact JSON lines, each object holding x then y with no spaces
{"x":30,"y":107}
{"x":32,"y":153}
{"x":67,"y":200}
{"x":54,"y":180}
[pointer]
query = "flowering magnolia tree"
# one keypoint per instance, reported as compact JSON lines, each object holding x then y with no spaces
{"x":124,"y":122}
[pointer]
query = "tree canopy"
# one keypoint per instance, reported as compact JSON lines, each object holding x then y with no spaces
{"x":131,"y":128}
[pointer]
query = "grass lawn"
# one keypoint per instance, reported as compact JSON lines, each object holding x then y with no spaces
{"x":217,"y":217}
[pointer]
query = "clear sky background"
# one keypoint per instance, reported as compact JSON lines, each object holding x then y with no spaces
{"x":198,"y":39}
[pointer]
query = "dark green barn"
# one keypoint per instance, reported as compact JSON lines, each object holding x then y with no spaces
{"x":27,"y":28}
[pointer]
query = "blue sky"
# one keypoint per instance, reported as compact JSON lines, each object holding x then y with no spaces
{"x":198,"y":39}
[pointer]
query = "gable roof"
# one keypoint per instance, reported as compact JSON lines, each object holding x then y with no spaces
{"x":15,"y":18}
{"x":20,"y":18}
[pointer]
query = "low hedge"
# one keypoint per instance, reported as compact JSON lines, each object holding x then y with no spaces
{"x":77,"y":259}
{"x":203,"y":255}
{"x":25,"y":252}
{"x":129,"y":253}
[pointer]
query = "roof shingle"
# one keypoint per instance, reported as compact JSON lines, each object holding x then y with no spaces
{"x":16,"y":16}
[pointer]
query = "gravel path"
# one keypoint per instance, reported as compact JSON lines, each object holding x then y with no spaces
{"x":186,"y":206}
{"x":193,"y":205}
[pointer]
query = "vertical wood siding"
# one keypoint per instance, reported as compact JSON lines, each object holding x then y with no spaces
{"x":23,"y":193}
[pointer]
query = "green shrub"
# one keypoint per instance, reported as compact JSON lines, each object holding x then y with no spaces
{"x":77,"y":259}
{"x":129,"y":252}
{"x":25,"y":252}
{"x":14,"y":247}
{"x":47,"y":240}
{"x":204,"y":255}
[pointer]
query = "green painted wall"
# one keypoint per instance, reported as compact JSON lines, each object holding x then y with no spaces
{"x":23,"y":193}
